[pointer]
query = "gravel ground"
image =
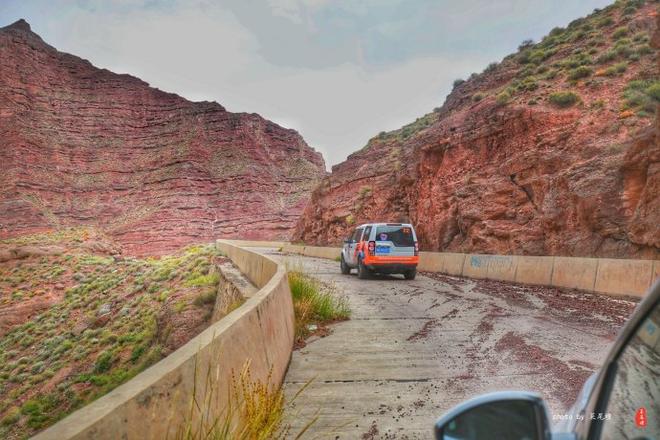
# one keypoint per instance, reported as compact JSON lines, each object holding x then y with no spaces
{"x":414,"y":349}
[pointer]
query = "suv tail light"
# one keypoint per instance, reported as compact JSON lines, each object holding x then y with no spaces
{"x":371,"y":247}
{"x":416,"y":248}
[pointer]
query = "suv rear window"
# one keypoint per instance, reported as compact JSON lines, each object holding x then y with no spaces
{"x":367,"y":233}
{"x":401,"y":236}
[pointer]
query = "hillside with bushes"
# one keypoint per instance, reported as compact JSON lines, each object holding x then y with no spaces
{"x":77,"y":319}
{"x":551,"y":151}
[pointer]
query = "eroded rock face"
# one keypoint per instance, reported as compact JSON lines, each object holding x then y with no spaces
{"x":525,"y":176}
{"x":82,"y":145}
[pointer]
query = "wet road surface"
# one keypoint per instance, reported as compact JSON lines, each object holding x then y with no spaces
{"x":413,"y":349}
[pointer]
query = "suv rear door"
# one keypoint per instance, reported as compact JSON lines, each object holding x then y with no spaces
{"x":395,"y":240}
{"x":350,"y":251}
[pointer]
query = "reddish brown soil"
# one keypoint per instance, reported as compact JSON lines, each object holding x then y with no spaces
{"x":82,"y":145}
{"x":602,"y":313}
{"x":592,"y":313}
{"x":372,"y":433}
{"x":543,"y":361}
{"x":423,"y":333}
{"x":524,"y":177}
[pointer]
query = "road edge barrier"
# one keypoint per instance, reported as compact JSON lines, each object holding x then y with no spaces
{"x":619,"y":277}
{"x":153,"y":404}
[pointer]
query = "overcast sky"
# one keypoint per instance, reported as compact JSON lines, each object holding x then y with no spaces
{"x":337,"y":71}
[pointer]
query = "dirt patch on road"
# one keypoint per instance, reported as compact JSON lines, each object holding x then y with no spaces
{"x":424,"y":332}
{"x":566,"y":379}
{"x":602,"y":313}
{"x":371,"y":433}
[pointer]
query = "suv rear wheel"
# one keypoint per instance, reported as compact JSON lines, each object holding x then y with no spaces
{"x":410,"y":275}
{"x":344,"y":267}
{"x":363,"y":272}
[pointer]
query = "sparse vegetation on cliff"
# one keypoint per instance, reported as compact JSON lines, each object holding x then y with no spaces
{"x":582,"y":92}
{"x":563,"y":99}
{"x":642,"y":96}
{"x":84,"y":322}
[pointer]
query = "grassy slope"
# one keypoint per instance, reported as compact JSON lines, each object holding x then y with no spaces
{"x":109,"y":319}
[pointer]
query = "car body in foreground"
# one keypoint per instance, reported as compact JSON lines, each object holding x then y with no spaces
{"x":619,"y":402}
{"x":381,"y":248}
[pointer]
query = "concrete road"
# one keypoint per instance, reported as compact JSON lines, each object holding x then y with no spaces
{"x":413,"y":349}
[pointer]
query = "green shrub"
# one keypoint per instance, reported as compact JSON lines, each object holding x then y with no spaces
{"x":563,"y":99}
{"x":206,"y":298}
{"x":179,"y":306}
{"x":458,"y":82}
{"x":654,"y":91}
{"x":551,"y":74}
{"x":620,"y":32}
{"x":197,"y":280}
{"x":164,"y":274}
{"x":623,"y":47}
{"x":478,"y":96}
{"x":629,"y":10}
{"x":31,"y":407}
{"x":36,"y":410}
{"x":579,"y":35}
{"x":605,"y":21}
{"x":503,"y":98}
{"x":312,"y":304}
{"x":579,"y":72}
{"x":643,"y":49}
{"x":365,"y":191}
{"x":642,"y":95}
{"x":641,"y":37}
{"x":577,"y":60}
{"x":606,"y":57}
{"x":539,"y":55}
{"x":636,"y":3}
{"x":528,"y":84}
{"x":556,"y":31}
{"x":137,"y":352}
{"x":491,"y":67}
{"x":103,"y":362}
{"x":616,"y":69}
{"x":526,"y":44}
{"x":11,"y":416}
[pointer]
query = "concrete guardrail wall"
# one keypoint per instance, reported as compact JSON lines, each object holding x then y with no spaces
{"x":258,"y":243}
{"x":153,"y":404}
{"x":601,"y":275}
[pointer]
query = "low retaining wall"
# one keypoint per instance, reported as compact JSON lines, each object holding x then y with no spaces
{"x":153,"y":404}
{"x":601,"y":275}
{"x":313,"y":251}
{"x":258,"y":243}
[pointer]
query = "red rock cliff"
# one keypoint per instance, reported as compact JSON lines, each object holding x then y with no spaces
{"x":553,"y":151}
{"x":82,"y":145}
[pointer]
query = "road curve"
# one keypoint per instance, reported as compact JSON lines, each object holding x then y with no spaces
{"x":413,"y":349}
